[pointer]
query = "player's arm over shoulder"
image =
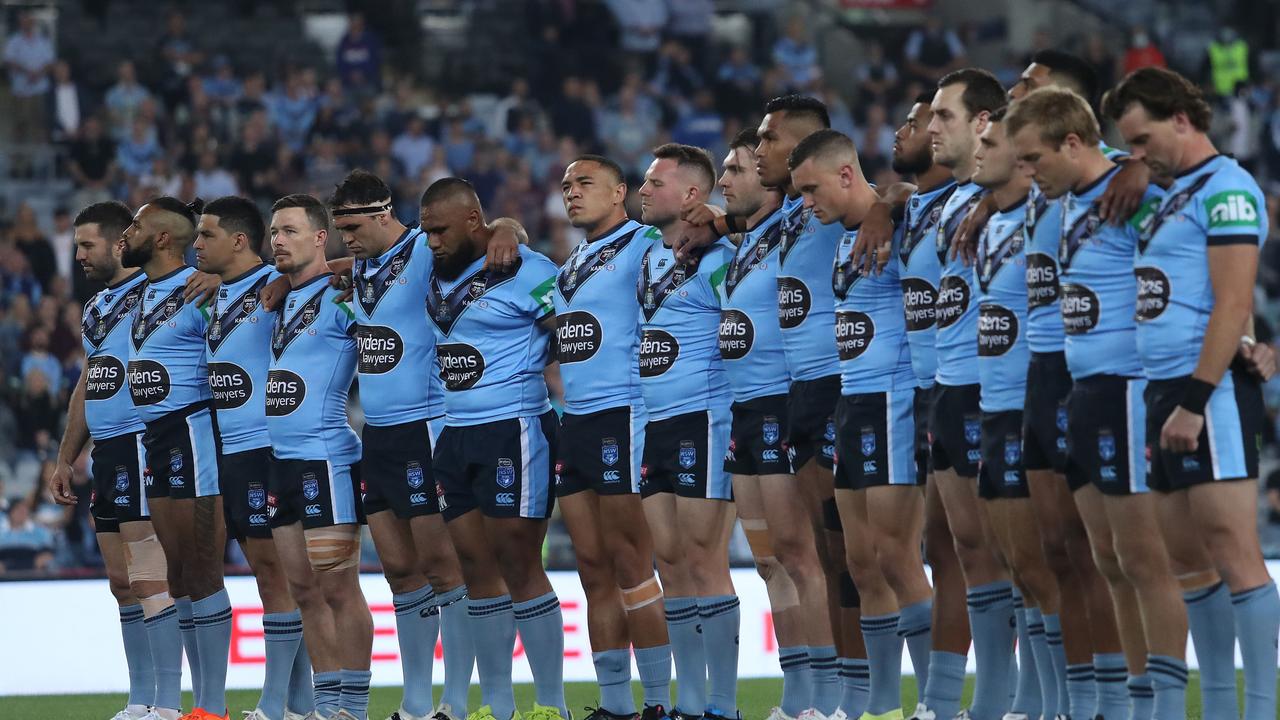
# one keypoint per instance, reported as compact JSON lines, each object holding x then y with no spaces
{"x":536,"y":279}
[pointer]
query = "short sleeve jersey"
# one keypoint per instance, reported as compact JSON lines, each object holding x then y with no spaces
{"x":238,"y":342}
{"x":750,"y":337}
{"x":806,"y":307}
{"x":919,"y":269}
{"x":1001,"y":275}
{"x":104,"y":332}
{"x":167,"y":360}
{"x":871,"y":327}
{"x":956,"y":310}
{"x":491,"y":346}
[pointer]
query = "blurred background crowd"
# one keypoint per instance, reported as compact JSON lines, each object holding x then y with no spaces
{"x":129,"y":99}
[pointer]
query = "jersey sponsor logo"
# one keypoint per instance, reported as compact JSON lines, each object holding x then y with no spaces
{"x":1153,"y":293}
{"x":104,"y":376}
{"x":285,"y":331}
{"x":371,"y":287}
{"x":148,"y":382}
{"x":953,"y":300}
{"x":855,"y":332}
{"x":97,"y":325}
{"x":225,"y":316}
{"x":1042,"y":280}
{"x":658,"y":352}
{"x":579,"y":336}
{"x":461,"y":366}
{"x":1232,"y":209}
{"x":231,"y":385}
{"x":286,"y":391}
{"x":751,"y":255}
{"x":609,"y":451}
{"x":413,"y":474}
{"x":585,"y":261}
{"x":793,"y":302}
{"x":1080,"y":309}
{"x":688,"y":455}
{"x":868,"y":440}
{"x":146,"y":321}
{"x":379,"y":349}
{"x":122,"y":478}
{"x":997,"y":330}
{"x":770,"y":430}
{"x":919,"y":300}
{"x":737,"y":334}
{"x":256,"y":497}
{"x":506,"y":473}
{"x":310,"y":486}
{"x":445,"y":308}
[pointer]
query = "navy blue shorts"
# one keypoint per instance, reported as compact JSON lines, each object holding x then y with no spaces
{"x":601,"y":451}
{"x":502,"y":468}
{"x":756,"y":432}
{"x":118,"y":469}
{"x":876,"y":440}
{"x":316,"y":493}
{"x":182,"y":454}
{"x":245,"y":477}
{"x":396,"y":469}
{"x":1229,"y":442}
{"x":1002,"y":474}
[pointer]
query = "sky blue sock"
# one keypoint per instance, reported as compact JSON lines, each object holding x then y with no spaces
{"x":613,"y":675}
{"x":494,"y":629}
{"x":541,"y":627}
{"x":721,"y":617}
{"x":302,"y":693}
{"x":1141,"y":696}
{"x":684,"y":629}
{"x":417,"y":626}
{"x":1213,"y":633}
{"x":458,"y":646}
{"x":916,"y":628}
{"x":1169,"y":679}
{"x":1082,"y":690}
{"x":1111,"y":673}
{"x":282,"y":633}
{"x":166,"y":655}
{"x":1044,"y":662}
{"x":992,"y":623}
{"x":1058,"y":656}
{"x":824,"y":679}
{"x":1026,"y":697}
{"x":354,"y":697}
{"x":946,"y":683}
{"x":654,"y":665}
{"x":212,"y":616}
{"x":190,"y":646}
{"x":328,"y":692}
{"x":1257,"y":617}
{"x":855,"y":683}
{"x":884,"y":652}
{"x":797,"y":680}
{"x":137,"y":655}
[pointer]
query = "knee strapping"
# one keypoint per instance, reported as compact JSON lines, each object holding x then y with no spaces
{"x":156,"y":604}
{"x":1198,"y":580}
{"x":145,"y":560}
{"x":831,"y":516}
{"x":646,"y":593}
{"x":757,"y":532}
{"x":332,"y":549}
{"x":777,"y":584}
{"x":849,"y":597}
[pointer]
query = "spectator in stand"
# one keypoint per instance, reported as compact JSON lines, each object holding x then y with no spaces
{"x":252,"y":97}
{"x":212,"y":180}
{"x":286,"y":175}
{"x":875,"y":135}
{"x":1141,"y":52}
{"x":403,"y":107}
{"x":338,"y":115}
{"x":571,"y":116}
{"x":413,"y":149}
{"x":640,"y":24}
{"x":252,"y":158}
{"x":512,"y":109}
{"x":17,"y":285}
{"x":32,"y":243}
{"x":676,"y":79}
{"x":92,"y":163}
{"x":124,"y":100}
{"x":28,"y":55}
{"x":325,"y":167}
{"x":359,"y":60}
{"x":738,"y":83}
{"x":293,"y":112}
{"x":457,"y":145}
{"x":65,"y":105}
{"x":797,"y":56}
{"x":177,"y":56}
{"x":701,"y":125}
{"x":629,"y":133}
{"x":1227,"y":62}
{"x":877,"y":77}
{"x":24,"y":544}
{"x":1102,"y":60}
{"x":221,"y":85}
{"x":63,"y":242}
{"x":933,"y":51}
{"x":137,"y":153}
{"x":39,"y":359}
{"x":689,"y":22}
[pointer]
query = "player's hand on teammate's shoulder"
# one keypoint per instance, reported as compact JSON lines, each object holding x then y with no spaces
{"x":873,"y":247}
{"x":201,"y":287}
{"x":965,"y":243}
{"x":1124,"y":193}
{"x":60,"y":484}
{"x":504,"y":246}
{"x":273,"y":293}
{"x":701,"y":230}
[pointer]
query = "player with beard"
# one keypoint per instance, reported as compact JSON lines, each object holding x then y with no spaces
{"x":101,"y":408}
{"x":602,"y":440}
{"x":772,"y":514}
{"x":493,"y":459}
{"x":169,"y":383}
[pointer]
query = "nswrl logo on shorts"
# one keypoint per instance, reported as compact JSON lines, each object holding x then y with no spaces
{"x":413,"y":474}
{"x":609,"y":451}
{"x":506,"y":475}
{"x":257,"y":497}
{"x":688,"y":454}
{"x":310,"y":486}
{"x":122,"y":478}
{"x":868,"y":441}
{"x":769,"y":430}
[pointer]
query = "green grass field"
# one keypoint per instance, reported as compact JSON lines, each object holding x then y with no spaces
{"x":756,"y":698}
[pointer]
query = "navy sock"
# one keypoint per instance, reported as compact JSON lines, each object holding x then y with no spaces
{"x":541,"y":627}
{"x":613,"y":675}
{"x":1110,"y":673}
{"x":992,"y":623}
{"x":855,"y":681}
{"x":824,"y":679}
{"x":1026,"y":698}
{"x":494,"y":628}
{"x":1257,"y":619}
{"x":137,"y":655}
{"x":916,"y":628}
{"x":654,"y":664}
{"x":166,"y":655}
{"x":1082,"y":690}
{"x":1141,"y":696}
{"x":884,"y":652}
{"x":328,"y":692}
{"x":1213,"y":633}
{"x":721,"y":617}
{"x":685,"y":632}
{"x":946,"y":683}
{"x":302,"y":693}
{"x":354,"y":697}
{"x":1057,"y":656}
{"x":459,"y":648}
{"x":282,"y":633}
{"x":797,"y":680}
{"x":212,"y":616}
{"x":1169,"y":679}
{"x":417,"y":627}
{"x":190,"y":647}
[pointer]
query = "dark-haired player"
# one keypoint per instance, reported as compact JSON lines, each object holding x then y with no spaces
{"x":170,"y":387}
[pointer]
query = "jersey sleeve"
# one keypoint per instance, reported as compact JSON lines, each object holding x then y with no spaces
{"x":716,"y":266}
{"x":198,"y":318}
{"x":1232,"y":210}
{"x":535,"y":286}
{"x":344,"y":315}
{"x":1142,"y":218}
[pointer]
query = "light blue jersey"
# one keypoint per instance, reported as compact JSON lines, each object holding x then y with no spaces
{"x":1095,"y":261}
{"x":597,"y":325}
{"x":957,"y":311}
{"x":1214,"y":203}
{"x":313,"y":362}
{"x":750,"y":338}
{"x":680,"y":366}
{"x":806,"y":307}
{"x":920,"y":271}
{"x":871,"y":328}
{"x":395,"y":343}
{"x":238,"y":342}
{"x":1003,"y":353}
{"x":1043,"y":232}
{"x":167,"y":361}
{"x":491,"y":345}
{"x":104,"y":332}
